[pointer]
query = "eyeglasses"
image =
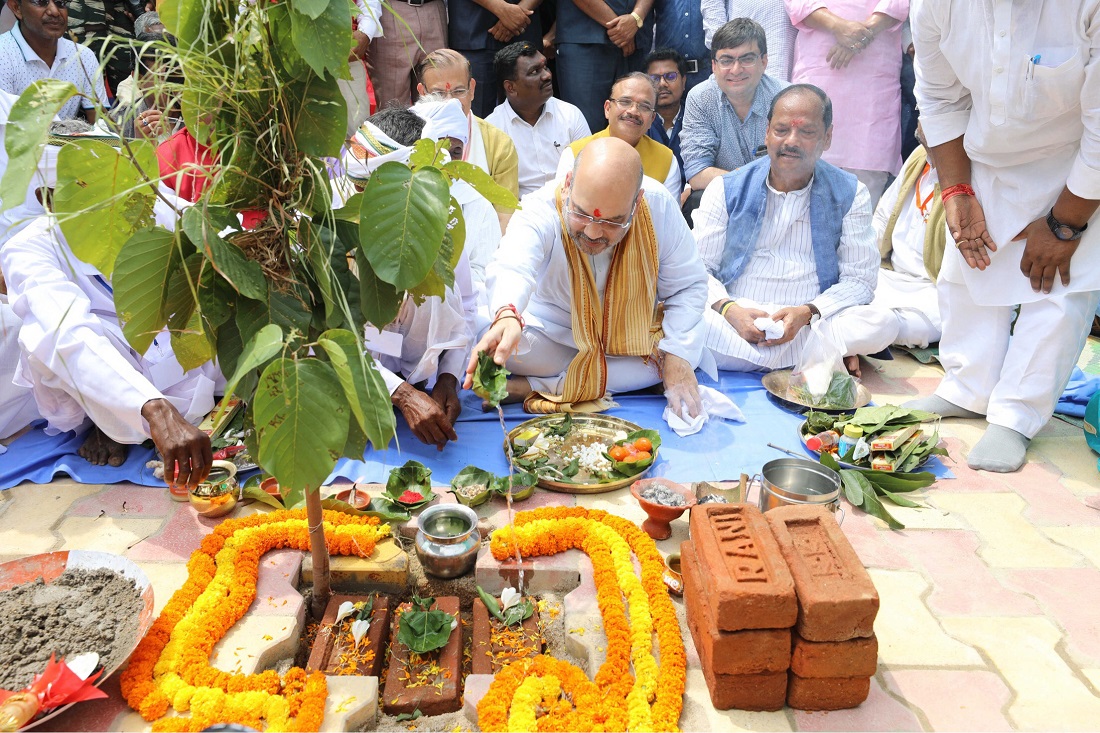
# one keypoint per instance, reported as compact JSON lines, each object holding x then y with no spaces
{"x":456,"y":93}
{"x":669,"y":76}
{"x":624,"y":104}
{"x":747,"y":61}
{"x":60,"y":4}
{"x":600,"y":222}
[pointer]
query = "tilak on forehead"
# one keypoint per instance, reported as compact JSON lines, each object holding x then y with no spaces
{"x":797,"y":121}
{"x":595,"y":212}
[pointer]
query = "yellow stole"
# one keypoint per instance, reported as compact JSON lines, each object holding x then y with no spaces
{"x":656,"y":157}
{"x":628,"y":324}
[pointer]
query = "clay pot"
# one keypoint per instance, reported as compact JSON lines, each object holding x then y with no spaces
{"x":358,"y":498}
{"x":270,"y":485}
{"x":660,"y":516}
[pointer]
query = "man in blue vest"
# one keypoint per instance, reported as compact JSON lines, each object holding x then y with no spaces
{"x":787,"y":240}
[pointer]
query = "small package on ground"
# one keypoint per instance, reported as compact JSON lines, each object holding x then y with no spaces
{"x":820,"y":378}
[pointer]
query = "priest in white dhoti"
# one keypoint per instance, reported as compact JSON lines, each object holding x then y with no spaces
{"x":80,"y":368}
{"x":421,"y":354}
{"x":1009,"y":99}
{"x":787,"y":240}
{"x":597,"y":288}
{"x":911,"y":229}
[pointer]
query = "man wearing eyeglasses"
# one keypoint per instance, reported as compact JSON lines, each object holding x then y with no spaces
{"x":597,"y":288}
{"x":726,"y":115}
{"x":668,"y":70}
{"x":629,"y":112}
{"x":35,"y":48}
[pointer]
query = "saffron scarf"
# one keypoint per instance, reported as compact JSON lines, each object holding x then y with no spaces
{"x":628,"y":324}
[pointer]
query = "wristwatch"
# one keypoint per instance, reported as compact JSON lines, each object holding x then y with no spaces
{"x":815,"y":314}
{"x":637,"y":18}
{"x":1064,"y":232}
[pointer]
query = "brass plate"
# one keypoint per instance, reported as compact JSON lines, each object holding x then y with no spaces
{"x":776,"y":383}
{"x":592,"y":424}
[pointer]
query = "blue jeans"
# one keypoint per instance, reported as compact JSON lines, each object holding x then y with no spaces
{"x":586,"y":72}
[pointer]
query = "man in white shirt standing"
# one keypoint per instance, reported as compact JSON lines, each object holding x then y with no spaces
{"x":597,"y":289}
{"x":35,"y":48}
{"x":540,"y":125}
{"x":1009,"y":101}
{"x":786,"y":238}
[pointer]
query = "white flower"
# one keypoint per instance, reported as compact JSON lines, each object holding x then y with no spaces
{"x":359,"y":630}
{"x":346,"y":609}
{"x":454,"y":624}
{"x":508,"y":598}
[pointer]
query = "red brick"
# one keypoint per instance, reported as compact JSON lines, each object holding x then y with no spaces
{"x":752,"y":651}
{"x":327,"y":647}
{"x":854,"y":658}
{"x":749,"y":586}
{"x":827,"y":693}
{"x":836,"y":599}
{"x":489,"y":658}
{"x":765,"y":691}
{"x":443,"y":697}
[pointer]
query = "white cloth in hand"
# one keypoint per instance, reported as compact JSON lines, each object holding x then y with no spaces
{"x":714,"y":403}
{"x":772,"y":329}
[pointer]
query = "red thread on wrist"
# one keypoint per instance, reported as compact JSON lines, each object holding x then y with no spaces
{"x":959,"y":189}
{"x":514,"y":310}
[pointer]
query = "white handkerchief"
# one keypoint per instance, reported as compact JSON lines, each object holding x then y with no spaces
{"x":771,"y":329}
{"x":715,"y":404}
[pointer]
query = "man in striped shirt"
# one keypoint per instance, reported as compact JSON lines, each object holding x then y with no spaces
{"x":787,"y":240}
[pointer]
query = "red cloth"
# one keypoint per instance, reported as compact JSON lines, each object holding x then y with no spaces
{"x":185,"y":165}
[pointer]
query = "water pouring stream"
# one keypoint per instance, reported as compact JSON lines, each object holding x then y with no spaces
{"x":508,"y":498}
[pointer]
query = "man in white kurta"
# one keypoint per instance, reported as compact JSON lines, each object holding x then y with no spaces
{"x":1010,"y":103}
{"x":81,"y":369}
{"x":780,"y":280}
{"x":531,"y":278}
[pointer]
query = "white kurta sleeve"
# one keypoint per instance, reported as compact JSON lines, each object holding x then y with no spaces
{"x":672,"y":180}
{"x":859,"y":260}
{"x":565,"y":164}
{"x":523,"y":254}
{"x":944,"y":102}
{"x":885,"y":209}
{"x":65,"y":344}
{"x":710,"y":220}
{"x":1084,"y":176}
{"x":392,"y":380}
{"x":681,"y":280}
{"x":369,"y":21}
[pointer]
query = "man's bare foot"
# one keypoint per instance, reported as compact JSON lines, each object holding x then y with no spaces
{"x":851,"y":363}
{"x":518,"y":389}
{"x":99,"y":450}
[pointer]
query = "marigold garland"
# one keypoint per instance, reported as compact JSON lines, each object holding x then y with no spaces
{"x":171,"y":665}
{"x":650,"y":698}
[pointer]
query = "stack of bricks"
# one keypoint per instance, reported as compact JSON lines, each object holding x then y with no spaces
{"x":780,"y":608}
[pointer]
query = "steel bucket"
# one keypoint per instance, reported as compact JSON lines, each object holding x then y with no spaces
{"x":796,"y":481}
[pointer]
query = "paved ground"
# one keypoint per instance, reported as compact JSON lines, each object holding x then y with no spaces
{"x":990,"y":598}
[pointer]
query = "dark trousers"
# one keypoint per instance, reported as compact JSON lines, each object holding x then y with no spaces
{"x":586,"y":72}
{"x":488,"y":86}
{"x":908,"y":107}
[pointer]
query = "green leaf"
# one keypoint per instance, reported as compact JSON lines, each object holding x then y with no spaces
{"x":282,"y":49}
{"x":192,"y":345}
{"x":875,"y":508}
{"x":379,"y":301}
{"x":264,"y":345}
{"x":440,"y":277}
{"x":27,"y":129}
{"x":302,"y":421}
{"x":427,"y":152}
{"x":321,"y":115}
{"x":383,"y":513}
{"x":312,"y":8}
{"x":144,"y":267}
{"x":456,"y":227}
{"x":182,"y":18}
{"x":491,"y":604}
{"x":325,"y":40}
{"x":363,"y":387}
{"x":897,"y":499}
{"x":402,"y":717}
{"x":519,"y":613}
{"x":319,"y":242}
{"x":402,"y":222}
{"x":425,"y":631}
{"x":476,"y":478}
{"x":230,"y":346}
{"x":257,"y":494}
{"x":482,"y":182}
{"x":901,"y":482}
{"x":102,"y":201}
{"x":853,"y":490}
{"x":490,"y":380}
{"x":282,"y":309}
{"x":413,"y":476}
{"x":216,"y":297}
{"x":245,"y":276}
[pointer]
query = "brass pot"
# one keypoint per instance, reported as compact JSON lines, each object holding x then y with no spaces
{"x":217,"y":495}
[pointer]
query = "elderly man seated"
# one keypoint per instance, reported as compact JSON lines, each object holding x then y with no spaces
{"x":630,"y":112}
{"x":599,"y":287}
{"x":911,"y":229}
{"x":421,"y":353}
{"x":786,"y":238}
{"x":82,"y":371}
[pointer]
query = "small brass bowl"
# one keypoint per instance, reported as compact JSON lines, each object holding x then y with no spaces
{"x":217,"y":496}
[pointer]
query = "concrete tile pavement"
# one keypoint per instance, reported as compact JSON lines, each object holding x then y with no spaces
{"x":989,"y":598}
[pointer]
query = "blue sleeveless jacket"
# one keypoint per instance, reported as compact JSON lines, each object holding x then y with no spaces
{"x":831,"y":197}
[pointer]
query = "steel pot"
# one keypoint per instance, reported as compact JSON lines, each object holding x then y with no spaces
{"x":447,"y":540}
{"x":797,"y":481}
